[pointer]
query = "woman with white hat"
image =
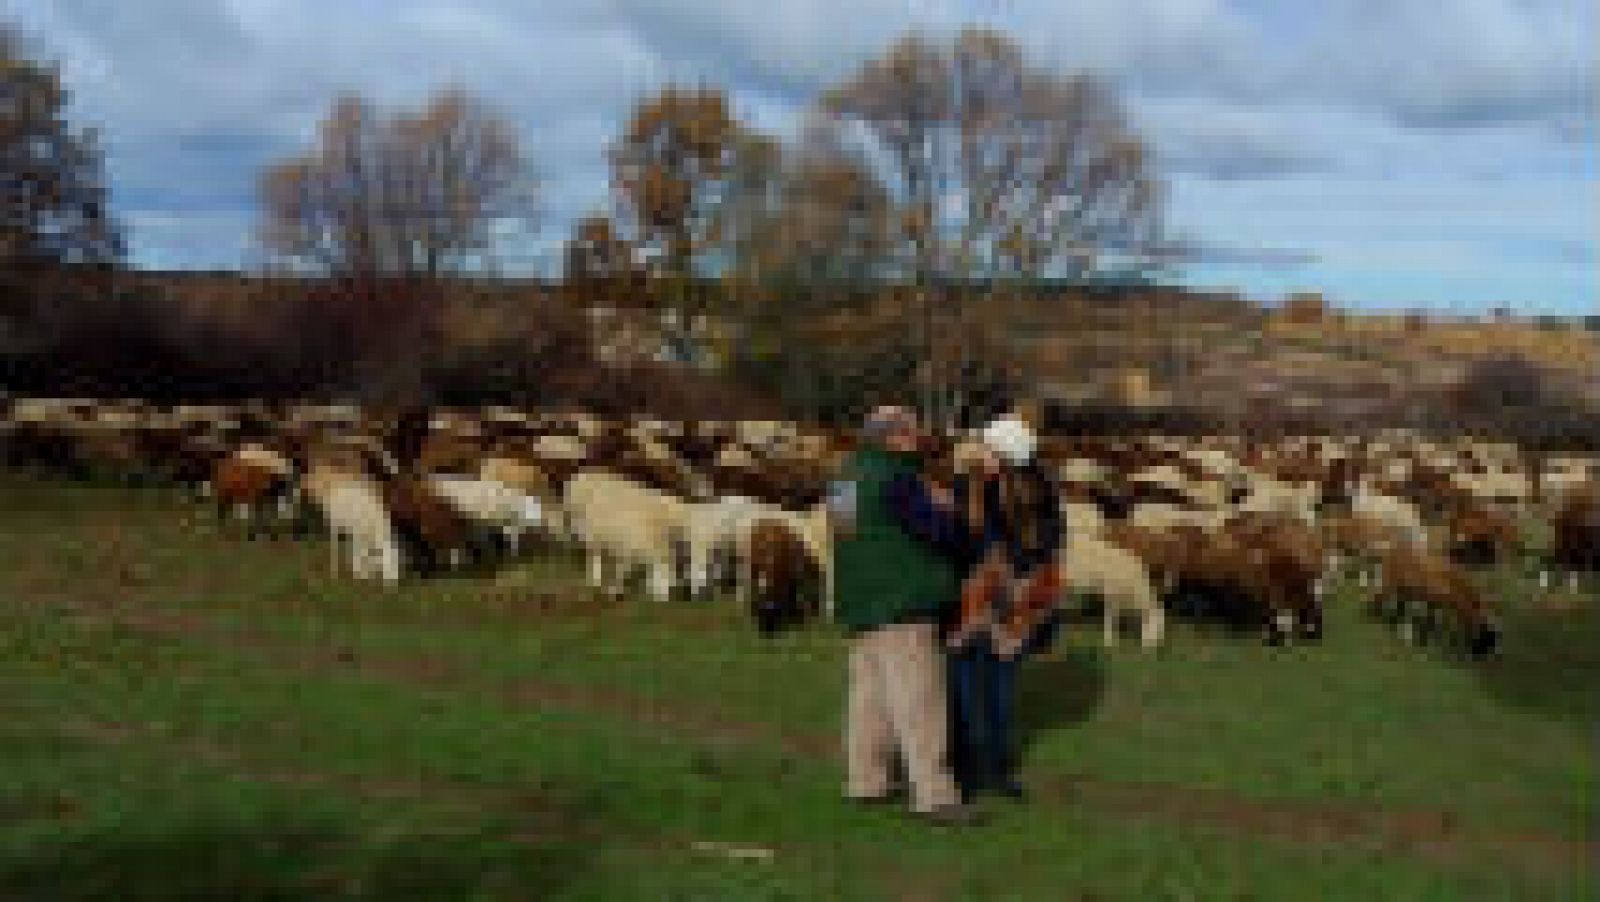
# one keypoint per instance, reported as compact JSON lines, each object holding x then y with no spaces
{"x":1008,"y":505}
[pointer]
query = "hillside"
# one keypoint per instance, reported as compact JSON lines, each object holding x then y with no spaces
{"x":1229,"y":358}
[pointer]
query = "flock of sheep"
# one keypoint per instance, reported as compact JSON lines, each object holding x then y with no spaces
{"x":1247,"y":532}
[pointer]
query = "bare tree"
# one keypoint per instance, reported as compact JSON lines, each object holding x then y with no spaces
{"x":995,"y":170}
{"x":819,"y":218}
{"x":807,"y":238}
{"x":387,"y":205}
{"x":408,"y":194}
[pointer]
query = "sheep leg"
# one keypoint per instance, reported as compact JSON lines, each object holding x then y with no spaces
{"x":1407,"y":632}
{"x":1152,"y":627}
{"x":360,"y":557}
{"x":1108,"y":619}
{"x":699,"y":567}
{"x":743,"y":576}
{"x":661,"y":579}
{"x":391,"y":562}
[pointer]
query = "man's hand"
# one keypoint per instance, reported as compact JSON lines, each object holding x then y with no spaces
{"x":941,"y":497}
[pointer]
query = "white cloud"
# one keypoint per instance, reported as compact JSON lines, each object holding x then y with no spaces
{"x":1325,"y":125}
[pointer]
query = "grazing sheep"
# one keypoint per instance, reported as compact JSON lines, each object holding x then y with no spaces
{"x":814,"y":530}
{"x":266,"y":458}
{"x":1359,"y":541}
{"x":712,"y":532}
{"x":352,"y":507}
{"x":629,"y":524}
{"x":252,"y":491}
{"x":1164,"y":517}
{"x":1252,"y":579}
{"x":1398,"y":515}
{"x":1270,"y":496}
{"x":1575,"y":543}
{"x":1479,"y":536}
{"x":1425,"y":595}
{"x":1080,"y":518}
{"x":1562,"y":477}
{"x":438,"y":534}
{"x":780,"y":568}
{"x":532,"y":479}
{"x":1508,"y":487}
{"x":492,"y":504}
{"x":1091,"y":565}
{"x":522,"y":475}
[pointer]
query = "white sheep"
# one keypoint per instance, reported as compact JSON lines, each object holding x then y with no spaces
{"x":501,"y":507}
{"x":353,"y":508}
{"x":1271,"y":496}
{"x":1092,"y":565}
{"x":1399,"y":517}
{"x":712,"y":528}
{"x":1082,"y":518}
{"x":630,"y":524}
{"x":1503,"y":486}
{"x":1164,"y":517}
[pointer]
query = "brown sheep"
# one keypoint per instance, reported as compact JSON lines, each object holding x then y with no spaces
{"x":1476,"y":535}
{"x":1253,"y":578}
{"x":250,"y":490}
{"x":447,"y":452}
{"x":1575,"y":543}
{"x":1425,"y":594}
{"x":1162,"y":551}
{"x":780,"y":572}
{"x":435,"y":533}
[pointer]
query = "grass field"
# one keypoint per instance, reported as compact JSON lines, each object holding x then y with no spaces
{"x":190,"y":715}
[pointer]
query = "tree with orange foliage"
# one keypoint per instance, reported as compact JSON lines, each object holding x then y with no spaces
{"x":676,"y":168}
{"x":597,"y":260}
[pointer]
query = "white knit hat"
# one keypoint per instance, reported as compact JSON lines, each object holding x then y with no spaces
{"x":1011,"y":439}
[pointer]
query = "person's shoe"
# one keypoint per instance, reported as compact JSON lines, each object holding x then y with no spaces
{"x":955,"y":814}
{"x":897,"y":794}
{"x":1012,"y":790}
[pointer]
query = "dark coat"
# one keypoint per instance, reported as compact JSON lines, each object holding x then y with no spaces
{"x":1021,"y":514}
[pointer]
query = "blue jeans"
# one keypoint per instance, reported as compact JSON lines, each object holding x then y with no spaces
{"x":983,"y":707}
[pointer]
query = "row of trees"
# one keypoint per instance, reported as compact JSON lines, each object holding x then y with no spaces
{"x":873,"y":254}
{"x":944,"y":169}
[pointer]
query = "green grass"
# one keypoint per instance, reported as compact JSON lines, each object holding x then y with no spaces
{"x":187,"y":715}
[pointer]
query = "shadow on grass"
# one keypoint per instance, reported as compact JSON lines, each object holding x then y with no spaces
{"x":1550,"y":662}
{"x":285,"y":860}
{"x":1057,"y":692}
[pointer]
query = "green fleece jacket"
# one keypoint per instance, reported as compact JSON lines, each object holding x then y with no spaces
{"x":883,"y":574}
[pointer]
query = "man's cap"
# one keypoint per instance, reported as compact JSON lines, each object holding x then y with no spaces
{"x":886,"y":418}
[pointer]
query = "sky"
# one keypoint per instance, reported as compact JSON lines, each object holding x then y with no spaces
{"x":1391,"y":154}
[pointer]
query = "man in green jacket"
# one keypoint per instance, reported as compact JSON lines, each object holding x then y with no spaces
{"x":893,"y":579}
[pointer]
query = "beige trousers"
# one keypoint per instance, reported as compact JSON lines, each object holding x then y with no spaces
{"x":897,"y":701}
